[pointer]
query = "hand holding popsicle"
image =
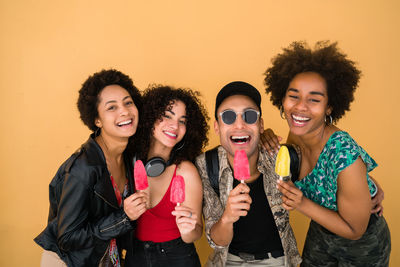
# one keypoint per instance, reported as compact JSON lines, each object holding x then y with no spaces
{"x":135,"y":205}
{"x":238,"y":203}
{"x":241,"y":169}
{"x":140,"y":175}
{"x":292,"y":197}
{"x":282,"y":163}
{"x":186,"y":219}
{"x":177,"y":194}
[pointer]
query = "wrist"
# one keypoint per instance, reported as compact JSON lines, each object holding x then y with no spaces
{"x":226,"y":222}
{"x":302,"y":206}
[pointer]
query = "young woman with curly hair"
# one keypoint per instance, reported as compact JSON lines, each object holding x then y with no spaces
{"x":313,"y":88}
{"x":173,"y":128}
{"x":91,"y":205}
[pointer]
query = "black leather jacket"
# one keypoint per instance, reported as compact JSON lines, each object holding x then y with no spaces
{"x":84,"y":214}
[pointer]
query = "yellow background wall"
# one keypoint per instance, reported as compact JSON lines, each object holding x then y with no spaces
{"x":48,"y":48}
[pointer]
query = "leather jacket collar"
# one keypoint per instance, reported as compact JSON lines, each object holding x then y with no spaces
{"x":103,"y":188}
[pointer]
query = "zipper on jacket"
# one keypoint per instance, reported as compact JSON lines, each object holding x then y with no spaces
{"x":114,"y":225}
{"x":105,"y":200}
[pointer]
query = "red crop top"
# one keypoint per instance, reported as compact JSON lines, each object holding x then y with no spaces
{"x":158,"y":224}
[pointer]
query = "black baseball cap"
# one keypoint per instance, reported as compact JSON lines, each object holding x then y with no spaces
{"x":237,"y":88}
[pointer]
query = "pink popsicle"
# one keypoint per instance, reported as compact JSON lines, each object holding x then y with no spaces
{"x":177,"y":194}
{"x":241,"y":168}
{"x":140,"y":176}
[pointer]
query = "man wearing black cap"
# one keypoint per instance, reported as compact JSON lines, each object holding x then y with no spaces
{"x":245,"y":222}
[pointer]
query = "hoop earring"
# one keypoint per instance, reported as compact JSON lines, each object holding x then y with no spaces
{"x":330,"y":120}
{"x":282,"y":113}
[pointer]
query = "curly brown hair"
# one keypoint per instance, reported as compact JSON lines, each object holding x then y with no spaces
{"x":156,"y":100}
{"x":340,"y":73}
{"x":88,"y":99}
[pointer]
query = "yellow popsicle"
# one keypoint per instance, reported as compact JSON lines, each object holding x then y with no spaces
{"x":282,"y":163}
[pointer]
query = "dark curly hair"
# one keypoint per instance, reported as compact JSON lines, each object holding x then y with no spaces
{"x":89,"y":93}
{"x":340,"y":73}
{"x":156,"y":100}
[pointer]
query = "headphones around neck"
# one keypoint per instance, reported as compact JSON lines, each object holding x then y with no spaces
{"x":156,"y":166}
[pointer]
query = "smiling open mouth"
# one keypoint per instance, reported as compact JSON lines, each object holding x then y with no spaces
{"x":300,"y":119}
{"x":124,"y":123}
{"x":170,"y":134}
{"x":240,"y":139}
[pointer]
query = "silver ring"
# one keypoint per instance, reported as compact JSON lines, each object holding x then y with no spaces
{"x":190,"y":215}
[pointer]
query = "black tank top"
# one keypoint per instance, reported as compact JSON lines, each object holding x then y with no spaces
{"x":256,"y":232}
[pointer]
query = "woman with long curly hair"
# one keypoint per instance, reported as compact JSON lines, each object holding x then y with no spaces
{"x":313,"y":88}
{"x":172,"y":130}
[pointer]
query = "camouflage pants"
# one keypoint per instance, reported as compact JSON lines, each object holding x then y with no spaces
{"x":323,"y":248}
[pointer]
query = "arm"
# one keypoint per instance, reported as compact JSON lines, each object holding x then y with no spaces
{"x":76,"y":229}
{"x":212,"y":206}
{"x":237,"y":205}
{"x":354,"y":203}
{"x":188,"y":215}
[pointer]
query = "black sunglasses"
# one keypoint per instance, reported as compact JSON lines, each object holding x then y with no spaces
{"x":249,"y":116}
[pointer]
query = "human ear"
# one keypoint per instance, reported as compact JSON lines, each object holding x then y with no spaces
{"x":97,"y":122}
{"x":261,"y":125}
{"x":216,"y":127}
{"x":329,"y":111}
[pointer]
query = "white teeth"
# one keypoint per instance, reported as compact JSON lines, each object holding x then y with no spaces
{"x":170,"y":134}
{"x":124,"y":123}
{"x":299,"y":118}
{"x":240,"y":137}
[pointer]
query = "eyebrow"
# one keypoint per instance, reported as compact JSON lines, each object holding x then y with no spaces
{"x":173,"y":113}
{"x":311,"y":93}
{"x":115,"y":101}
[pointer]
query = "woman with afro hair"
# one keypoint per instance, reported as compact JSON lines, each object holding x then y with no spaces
{"x":172,"y":132}
{"x":92,"y":206}
{"x":313,"y":88}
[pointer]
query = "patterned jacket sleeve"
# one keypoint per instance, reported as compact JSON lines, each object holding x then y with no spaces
{"x":212,"y":206}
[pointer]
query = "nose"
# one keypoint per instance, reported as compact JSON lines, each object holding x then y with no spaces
{"x":301,"y":104}
{"x":173,"y":124}
{"x":239,"y":122}
{"x":124,"y":110}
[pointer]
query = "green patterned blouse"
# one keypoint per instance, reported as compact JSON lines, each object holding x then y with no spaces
{"x":341,"y":150}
